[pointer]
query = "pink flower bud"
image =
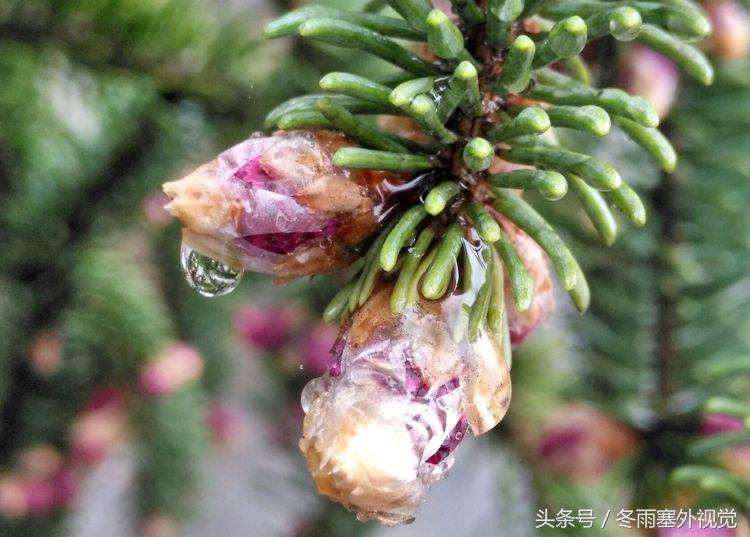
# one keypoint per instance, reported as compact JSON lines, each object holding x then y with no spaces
{"x":13,"y":502}
{"x":227,"y":424}
{"x":159,"y":526}
{"x":522,"y":323}
{"x":40,"y":461}
{"x":583,"y":443}
{"x":99,"y":427}
{"x":730,"y":38}
{"x":647,"y":73}
{"x":736,"y":459}
{"x":41,"y":497}
{"x":45,"y":495}
{"x":712,"y":424}
{"x":173,"y":367}
{"x":278,"y":205}
{"x":382,"y":424}
{"x":66,"y":484}
{"x":45,"y":352}
{"x":268,"y":328}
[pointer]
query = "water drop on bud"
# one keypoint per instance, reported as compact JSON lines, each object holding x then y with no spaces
{"x":206,"y":275}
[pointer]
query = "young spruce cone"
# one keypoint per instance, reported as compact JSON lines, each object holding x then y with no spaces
{"x":278,"y":205}
{"x":399,"y":395}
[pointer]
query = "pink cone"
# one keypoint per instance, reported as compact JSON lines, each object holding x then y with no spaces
{"x":45,"y":352}
{"x":712,"y":424}
{"x":398,"y":399}
{"x":647,"y":73}
{"x":268,"y":328}
{"x":99,"y":427}
{"x":13,"y":498}
{"x":583,"y":443}
{"x":172,"y":368}
{"x":227,"y":424}
{"x":730,"y":38}
{"x":278,"y":205}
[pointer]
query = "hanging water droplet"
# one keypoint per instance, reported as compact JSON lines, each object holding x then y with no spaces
{"x":208,"y":276}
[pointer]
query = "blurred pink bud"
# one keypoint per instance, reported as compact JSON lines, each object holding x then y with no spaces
{"x":736,"y":459}
{"x":730,"y":38}
{"x":583,"y":443}
{"x":13,"y":503}
{"x":712,"y":424}
{"x":647,"y":73}
{"x":66,"y":484}
{"x":268,"y":328}
{"x":99,"y":427}
{"x":41,"y":497}
{"x":317,"y":348}
{"x":45,"y":495}
{"x":159,"y":526}
{"x":227,"y":424}
{"x":45,"y":352}
{"x":173,"y":367}
{"x":278,"y":205}
{"x":40,"y":461}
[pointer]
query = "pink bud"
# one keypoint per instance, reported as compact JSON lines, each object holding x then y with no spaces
{"x":66,"y":484}
{"x":583,"y":443}
{"x":316,"y":349}
{"x":45,"y":495}
{"x":106,"y":398}
{"x":41,"y":496}
{"x":720,"y":423}
{"x":40,"y":461}
{"x":45,"y":352}
{"x":268,"y":328}
{"x":731,"y":29}
{"x":227,"y":424}
{"x":736,"y":459}
{"x":13,"y":503}
{"x":398,"y":399}
{"x":173,"y":367}
{"x":647,"y":73}
{"x":101,"y":425}
{"x":159,"y":526}
{"x":278,"y":205}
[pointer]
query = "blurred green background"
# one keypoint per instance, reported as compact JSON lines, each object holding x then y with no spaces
{"x":102,"y":101}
